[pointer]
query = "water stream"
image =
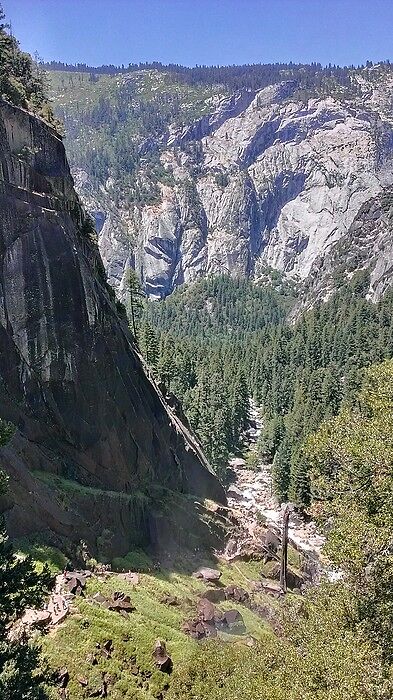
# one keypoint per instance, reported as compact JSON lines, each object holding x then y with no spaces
{"x":251,"y":496}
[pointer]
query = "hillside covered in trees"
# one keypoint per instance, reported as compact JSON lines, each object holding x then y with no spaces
{"x":23,"y":82}
{"x":220,"y":341}
{"x":248,"y":76}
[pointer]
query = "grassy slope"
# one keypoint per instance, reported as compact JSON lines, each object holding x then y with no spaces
{"x":133,"y":637}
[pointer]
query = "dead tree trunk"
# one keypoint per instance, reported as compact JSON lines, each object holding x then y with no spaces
{"x":284,"y":550}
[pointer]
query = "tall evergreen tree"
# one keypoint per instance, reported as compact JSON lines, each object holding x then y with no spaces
{"x":134,"y":303}
{"x":20,"y":587}
{"x":22,"y":82}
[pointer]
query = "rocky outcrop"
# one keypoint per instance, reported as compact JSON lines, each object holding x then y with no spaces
{"x":228,"y":108}
{"x":95,"y":439}
{"x":266,"y":180}
{"x":367,"y":245}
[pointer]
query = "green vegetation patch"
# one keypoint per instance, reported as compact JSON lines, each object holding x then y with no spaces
{"x":133,"y":637}
{"x":41,"y":553}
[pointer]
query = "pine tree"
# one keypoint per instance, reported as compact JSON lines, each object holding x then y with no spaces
{"x":149,"y":345}
{"x":299,"y":488}
{"x":20,"y":587}
{"x":218,"y":452}
{"x":6,"y":432}
{"x":134,"y":304}
{"x":281,"y":470}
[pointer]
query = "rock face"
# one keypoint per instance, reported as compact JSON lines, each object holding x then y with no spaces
{"x":268,"y":179}
{"x":94,"y":437}
{"x":368,"y":245}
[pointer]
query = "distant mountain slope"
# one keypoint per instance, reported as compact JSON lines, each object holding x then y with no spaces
{"x":186,"y":179}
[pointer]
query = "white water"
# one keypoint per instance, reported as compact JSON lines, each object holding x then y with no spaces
{"x":252,"y":496}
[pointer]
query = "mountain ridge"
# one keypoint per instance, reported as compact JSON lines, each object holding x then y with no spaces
{"x":273,"y":178}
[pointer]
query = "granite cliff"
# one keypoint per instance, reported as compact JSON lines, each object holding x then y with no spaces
{"x":96,"y":446}
{"x":273,"y":178}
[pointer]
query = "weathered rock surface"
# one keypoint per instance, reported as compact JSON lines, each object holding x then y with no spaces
{"x":208,"y":574}
{"x":93,"y":432}
{"x":161,"y":657}
{"x":267,"y":179}
{"x":367,"y":245}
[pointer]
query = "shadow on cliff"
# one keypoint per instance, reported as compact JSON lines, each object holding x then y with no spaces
{"x":94,"y":435}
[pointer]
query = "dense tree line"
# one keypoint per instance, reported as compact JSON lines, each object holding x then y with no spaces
{"x":221,"y":341}
{"x":337,"y":640}
{"x":200,"y":354}
{"x":247,"y":76}
{"x":350,"y":461}
{"x":309,"y":371}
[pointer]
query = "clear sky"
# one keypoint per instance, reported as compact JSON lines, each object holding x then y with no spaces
{"x":204,"y":31}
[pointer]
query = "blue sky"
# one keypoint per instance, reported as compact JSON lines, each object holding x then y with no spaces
{"x":204,"y":31}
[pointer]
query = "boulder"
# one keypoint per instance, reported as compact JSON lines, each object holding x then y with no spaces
{"x":79,"y":576}
{"x":232,"y":621}
{"x":194,"y":628}
{"x":231,"y":548}
{"x":75,"y":581}
{"x":121,"y":603}
{"x":170,"y":600}
{"x":62,"y":677}
{"x":256,"y":586}
{"x":82,"y":680}
{"x":236,"y":593}
{"x":92,"y":659}
{"x":214,"y":595}
{"x":210,"y":629}
{"x":98,"y":598}
{"x":235,"y":493}
{"x":271,"y":588}
{"x":161,"y":657}
{"x":206,"y":610}
{"x":294,"y":580}
{"x":207,"y":574}
{"x":271,"y":541}
{"x":36,"y":618}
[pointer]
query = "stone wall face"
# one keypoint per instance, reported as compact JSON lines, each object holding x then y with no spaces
{"x":71,"y":379}
{"x":268,"y":179}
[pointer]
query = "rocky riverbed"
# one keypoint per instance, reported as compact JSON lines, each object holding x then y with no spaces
{"x":251,"y":498}
{"x":252,"y":494}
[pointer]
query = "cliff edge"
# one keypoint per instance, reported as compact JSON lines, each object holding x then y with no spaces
{"x":95,"y":439}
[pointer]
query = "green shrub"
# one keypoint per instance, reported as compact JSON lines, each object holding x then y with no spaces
{"x":133,"y":561}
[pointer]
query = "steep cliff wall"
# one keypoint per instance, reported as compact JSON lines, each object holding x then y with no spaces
{"x":95,"y":439}
{"x":278,"y":185}
{"x":275,"y":180}
{"x":367,"y":245}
